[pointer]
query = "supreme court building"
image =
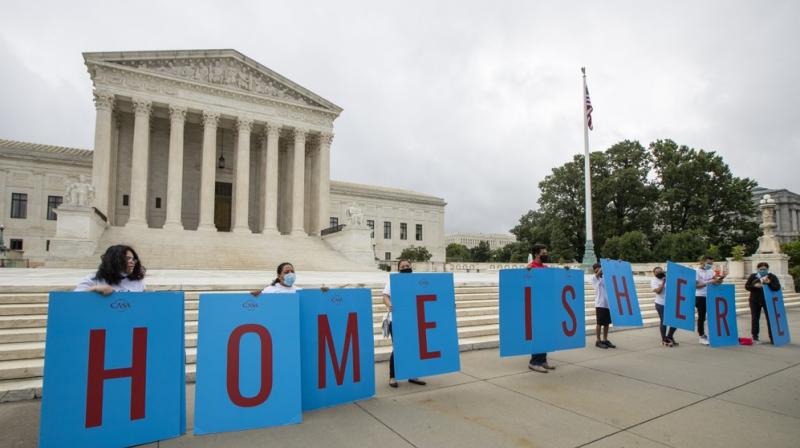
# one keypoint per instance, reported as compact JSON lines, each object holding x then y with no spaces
{"x":205,"y":153}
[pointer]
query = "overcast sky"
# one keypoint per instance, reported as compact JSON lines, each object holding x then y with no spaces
{"x":471,"y":101}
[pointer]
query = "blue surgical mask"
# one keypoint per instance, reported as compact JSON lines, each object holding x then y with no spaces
{"x":708,"y":266}
{"x":289,"y":279}
{"x":763,"y":272}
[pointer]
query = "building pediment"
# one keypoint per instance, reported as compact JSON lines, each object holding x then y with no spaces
{"x":226,"y":69}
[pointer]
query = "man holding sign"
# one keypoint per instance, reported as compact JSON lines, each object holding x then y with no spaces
{"x":404,"y":267}
{"x":705,"y":276}
{"x":538,"y":362}
{"x":758,"y":283}
{"x":623,"y":300}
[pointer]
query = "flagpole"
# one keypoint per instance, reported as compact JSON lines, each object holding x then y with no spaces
{"x":589,"y":257}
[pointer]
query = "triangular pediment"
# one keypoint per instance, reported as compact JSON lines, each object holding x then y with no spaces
{"x":227,"y":69}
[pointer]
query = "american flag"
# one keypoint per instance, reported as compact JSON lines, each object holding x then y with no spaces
{"x":589,"y":109}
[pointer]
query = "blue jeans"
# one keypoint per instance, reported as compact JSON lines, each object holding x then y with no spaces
{"x":539,"y":359}
{"x":665,"y":334}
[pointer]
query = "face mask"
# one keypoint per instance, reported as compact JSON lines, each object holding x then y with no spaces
{"x":289,"y":279}
{"x":708,"y":266}
{"x":544,"y":258}
{"x":406,"y":270}
{"x":763,"y":272}
{"x":660,"y":275}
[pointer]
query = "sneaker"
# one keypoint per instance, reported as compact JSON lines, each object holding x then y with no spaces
{"x":548,"y":366}
{"x":756,"y":341}
{"x":703,"y":340}
{"x":417,"y":381}
{"x":600,"y":344}
{"x":392,"y":383}
{"x":609,"y":344}
{"x":537,"y":368}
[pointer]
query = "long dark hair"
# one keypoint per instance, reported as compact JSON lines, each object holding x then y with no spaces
{"x":113,"y":265}
{"x":280,"y":269}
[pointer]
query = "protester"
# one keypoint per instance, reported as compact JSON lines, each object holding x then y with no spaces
{"x":404,"y":267}
{"x":658,"y":286}
{"x":755,"y":284}
{"x":283,"y":283}
{"x":705,"y":276}
{"x":602,"y":313}
{"x":538,"y":362}
{"x":120,"y":271}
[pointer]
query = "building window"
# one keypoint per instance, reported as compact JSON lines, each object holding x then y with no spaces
{"x":387,"y":230}
{"x":371,"y":225}
{"x":403,"y":231}
{"x":334,"y":221}
{"x":47,"y":245}
{"x":388,"y":256}
{"x":158,"y":202}
{"x":125,"y":200}
{"x":16,"y":244}
{"x":52,"y":204}
{"x":419,"y":232}
{"x":19,"y":205}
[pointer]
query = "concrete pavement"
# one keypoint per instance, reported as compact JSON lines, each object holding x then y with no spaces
{"x":639,"y":395}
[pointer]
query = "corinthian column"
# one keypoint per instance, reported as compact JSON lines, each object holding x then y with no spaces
{"x":208,"y":172}
{"x":177,"y":117}
{"x":101,"y":156}
{"x":324,"y":182}
{"x":139,"y":161}
{"x":241,"y":198}
{"x":270,"y":193}
{"x":298,"y":181}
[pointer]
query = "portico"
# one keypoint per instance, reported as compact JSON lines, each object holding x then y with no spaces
{"x":208,"y":140}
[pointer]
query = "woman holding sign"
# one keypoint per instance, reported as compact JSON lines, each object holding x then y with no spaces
{"x":283,"y":283}
{"x":404,"y":267}
{"x":659,"y":286}
{"x":120,"y":270}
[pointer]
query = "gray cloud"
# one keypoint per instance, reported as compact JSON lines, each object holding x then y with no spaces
{"x":471,"y":101}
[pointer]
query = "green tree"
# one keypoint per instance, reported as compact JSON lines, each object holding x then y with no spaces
{"x":793,"y":251}
{"x":416,"y":254}
{"x":699,"y":192}
{"x":683,"y":246}
{"x":481,"y":253}
{"x":457,"y":252}
{"x":630,"y":246}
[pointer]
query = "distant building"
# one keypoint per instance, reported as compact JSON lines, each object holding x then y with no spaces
{"x":787,"y":212}
{"x":495,"y":240}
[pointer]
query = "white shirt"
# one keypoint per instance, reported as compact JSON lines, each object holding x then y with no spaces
{"x":125,"y":285}
{"x":704,"y":276}
{"x":655,"y":283}
{"x":388,"y":289}
{"x":600,"y":296}
{"x":279,"y":288}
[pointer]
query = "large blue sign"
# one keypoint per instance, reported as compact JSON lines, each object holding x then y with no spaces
{"x":248,"y":362}
{"x":425,"y":336}
{"x":679,"y":296}
{"x":114,"y":369}
{"x":337,"y":343}
{"x":541,"y":310}
{"x":623,"y":302}
{"x":776,"y":315}
{"x":721,"y":306}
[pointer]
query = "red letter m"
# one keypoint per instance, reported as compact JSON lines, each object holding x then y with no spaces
{"x":325,"y":341}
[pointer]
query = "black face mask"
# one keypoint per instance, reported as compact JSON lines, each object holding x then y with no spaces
{"x":406,"y":270}
{"x":660,"y":275}
{"x":544,"y":258}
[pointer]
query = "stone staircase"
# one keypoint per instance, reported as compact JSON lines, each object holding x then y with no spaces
{"x":178,"y":249}
{"x":23,"y":320}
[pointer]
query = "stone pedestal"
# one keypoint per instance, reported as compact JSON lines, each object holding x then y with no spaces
{"x":78,"y":229}
{"x":778,"y":265}
{"x":354,"y":243}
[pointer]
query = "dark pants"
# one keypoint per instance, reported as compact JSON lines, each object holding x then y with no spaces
{"x":700,"y":304}
{"x":391,"y":357}
{"x":666,"y":332}
{"x":756,"y":305}
{"x":539,"y":359}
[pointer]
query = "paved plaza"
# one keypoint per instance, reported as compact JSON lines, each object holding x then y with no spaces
{"x":639,"y":395}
